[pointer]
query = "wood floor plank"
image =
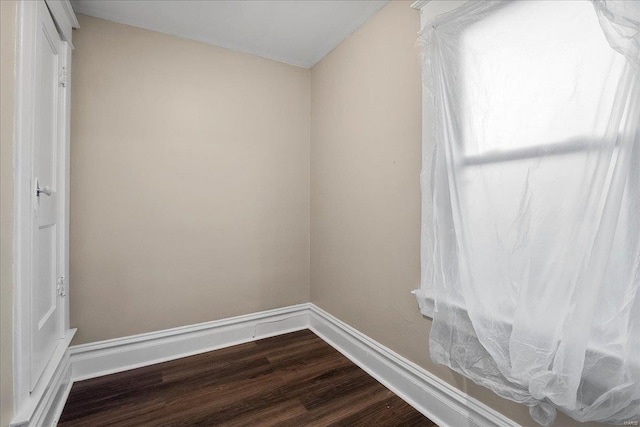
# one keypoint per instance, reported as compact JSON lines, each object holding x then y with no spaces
{"x":294,"y":379}
{"x":334,"y":411}
{"x":392,"y":412}
{"x":270,"y":416}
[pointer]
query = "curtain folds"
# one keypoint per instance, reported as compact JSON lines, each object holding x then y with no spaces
{"x":531,"y":203}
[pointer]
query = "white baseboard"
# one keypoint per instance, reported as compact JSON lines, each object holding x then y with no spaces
{"x":121,"y":354}
{"x":44,"y":408}
{"x":55,"y":404}
{"x":439,"y":401}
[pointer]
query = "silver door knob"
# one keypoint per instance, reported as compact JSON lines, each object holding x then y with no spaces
{"x":44,"y":190}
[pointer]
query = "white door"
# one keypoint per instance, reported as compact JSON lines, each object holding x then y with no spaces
{"x":45,"y":307}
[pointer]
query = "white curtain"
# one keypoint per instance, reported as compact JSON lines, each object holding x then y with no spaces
{"x":531,"y":203}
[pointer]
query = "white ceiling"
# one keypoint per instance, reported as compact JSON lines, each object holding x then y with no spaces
{"x":298,"y":32}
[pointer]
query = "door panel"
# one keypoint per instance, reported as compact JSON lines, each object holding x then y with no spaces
{"x":45,"y":311}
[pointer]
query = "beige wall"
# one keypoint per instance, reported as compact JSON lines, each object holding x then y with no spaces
{"x":365,"y":194}
{"x":8,"y":11}
{"x":189,"y":182}
{"x":365,"y":191}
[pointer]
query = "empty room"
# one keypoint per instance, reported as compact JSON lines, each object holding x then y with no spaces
{"x":320,"y":213}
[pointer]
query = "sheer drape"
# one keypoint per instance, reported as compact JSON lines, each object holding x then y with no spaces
{"x":531,"y":203}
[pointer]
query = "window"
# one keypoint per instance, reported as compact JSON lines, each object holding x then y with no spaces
{"x":531,"y":246}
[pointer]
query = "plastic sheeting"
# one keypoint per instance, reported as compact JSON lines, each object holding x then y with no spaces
{"x":531,"y":203}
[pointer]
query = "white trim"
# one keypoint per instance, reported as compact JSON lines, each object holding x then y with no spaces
{"x":63,"y":16}
{"x":29,"y":404}
{"x":63,"y":185}
{"x":45,"y":407}
{"x":22,"y":225}
{"x":419,"y":4}
{"x":57,"y":406}
{"x":426,"y":301}
{"x":121,"y":354}
{"x":439,"y":401}
{"x":71,"y":16}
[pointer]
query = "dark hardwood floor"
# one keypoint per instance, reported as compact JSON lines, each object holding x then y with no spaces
{"x":290,"y":380}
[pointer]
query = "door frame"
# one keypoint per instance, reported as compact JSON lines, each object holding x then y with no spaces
{"x":25,"y":400}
